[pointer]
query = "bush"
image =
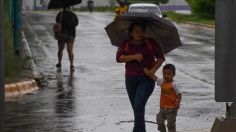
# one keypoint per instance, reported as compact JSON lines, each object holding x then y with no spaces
{"x":203,"y":8}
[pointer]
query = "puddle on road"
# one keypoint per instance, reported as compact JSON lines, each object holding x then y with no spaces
{"x":132,"y":121}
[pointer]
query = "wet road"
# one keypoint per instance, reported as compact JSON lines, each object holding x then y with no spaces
{"x":93,"y":98}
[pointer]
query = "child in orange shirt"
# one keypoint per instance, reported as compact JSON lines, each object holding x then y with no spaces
{"x":170,"y":98}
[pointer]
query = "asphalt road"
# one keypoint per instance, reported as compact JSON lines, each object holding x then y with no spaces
{"x":93,"y":98}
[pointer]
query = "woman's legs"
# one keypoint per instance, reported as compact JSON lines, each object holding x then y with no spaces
{"x":139,"y":90}
{"x":70,"y":44}
{"x":61,"y":46}
{"x":143,"y":92}
{"x":131,"y":87}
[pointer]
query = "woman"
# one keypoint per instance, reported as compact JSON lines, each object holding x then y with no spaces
{"x":139,"y":53}
{"x":69,"y":21}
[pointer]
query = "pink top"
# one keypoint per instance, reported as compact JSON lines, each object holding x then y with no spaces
{"x":149,"y":50}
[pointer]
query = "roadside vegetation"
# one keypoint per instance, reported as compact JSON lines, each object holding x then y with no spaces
{"x":189,"y":18}
{"x":12,"y":63}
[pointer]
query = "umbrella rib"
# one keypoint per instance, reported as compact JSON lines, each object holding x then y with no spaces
{"x":158,"y":38}
{"x":169,"y":29}
{"x":152,"y":29}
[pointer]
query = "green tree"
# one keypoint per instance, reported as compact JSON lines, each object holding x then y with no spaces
{"x":203,"y":8}
{"x":164,"y":1}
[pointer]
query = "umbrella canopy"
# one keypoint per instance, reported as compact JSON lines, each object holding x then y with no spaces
{"x":161,"y":30}
{"x":56,"y":4}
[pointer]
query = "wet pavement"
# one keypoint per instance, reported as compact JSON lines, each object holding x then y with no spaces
{"x":93,"y":97}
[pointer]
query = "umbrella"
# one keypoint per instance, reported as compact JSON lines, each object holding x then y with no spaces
{"x":161,"y":30}
{"x":55,"y":4}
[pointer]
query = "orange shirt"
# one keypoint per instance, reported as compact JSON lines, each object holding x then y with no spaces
{"x":168,"y":95}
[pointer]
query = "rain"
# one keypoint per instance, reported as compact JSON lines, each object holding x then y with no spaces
{"x":93,"y":98}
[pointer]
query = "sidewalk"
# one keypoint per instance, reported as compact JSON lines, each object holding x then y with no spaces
{"x":27,"y":82}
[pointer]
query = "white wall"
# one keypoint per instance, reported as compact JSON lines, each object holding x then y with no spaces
{"x":28,"y":4}
{"x":177,"y":2}
{"x":106,"y":2}
{"x":96,"y":3}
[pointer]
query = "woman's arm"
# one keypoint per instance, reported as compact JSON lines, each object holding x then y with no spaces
{"x":159,"y":55}
{"x":156,"y":66}
{"x":122,"y":57}
{"x":128,"y":58}
{"x":151,"y":72}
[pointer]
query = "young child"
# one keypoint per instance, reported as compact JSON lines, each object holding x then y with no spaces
{"x":169,"y":99}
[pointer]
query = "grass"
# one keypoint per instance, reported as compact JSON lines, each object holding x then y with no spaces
{"x":183,"y":18}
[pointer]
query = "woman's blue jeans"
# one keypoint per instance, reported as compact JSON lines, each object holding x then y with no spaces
{"x":139,"y":90}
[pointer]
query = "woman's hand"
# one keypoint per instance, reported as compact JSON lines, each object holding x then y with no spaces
{"x":150,"y":74}
{"x":127,"y":58}
{"x":138,"y":57}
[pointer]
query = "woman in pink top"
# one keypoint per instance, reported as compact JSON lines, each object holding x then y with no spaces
{"x":138,"y":53}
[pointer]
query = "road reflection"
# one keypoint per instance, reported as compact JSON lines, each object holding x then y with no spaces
{"x":64,"y":105}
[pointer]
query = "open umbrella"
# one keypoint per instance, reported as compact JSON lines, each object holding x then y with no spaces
{"x":56,"y":4}
{"x":161,"y":30}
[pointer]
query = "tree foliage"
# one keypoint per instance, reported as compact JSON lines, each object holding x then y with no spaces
{"x":164,"y":1}
{"x":203,"y":8}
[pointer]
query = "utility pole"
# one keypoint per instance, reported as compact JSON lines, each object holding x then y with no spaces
{"x":225,"y":72}
{"x":2,"y":91}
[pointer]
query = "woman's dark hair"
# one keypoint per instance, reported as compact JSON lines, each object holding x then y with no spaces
{"x":131,"y":27}
{"x":169,"y":67}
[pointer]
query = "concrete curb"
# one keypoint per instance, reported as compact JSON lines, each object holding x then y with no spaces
{"x":20,"y":88}
{"x":24,"y":87}
{"x":201,"y":25}
{"x":195,"y":24}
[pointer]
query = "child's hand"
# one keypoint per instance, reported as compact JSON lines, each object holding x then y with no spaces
{"x":178,"y":100}
{"x":149,"y":74}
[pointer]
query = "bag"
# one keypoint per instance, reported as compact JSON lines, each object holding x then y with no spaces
{"x":57,"y":30}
